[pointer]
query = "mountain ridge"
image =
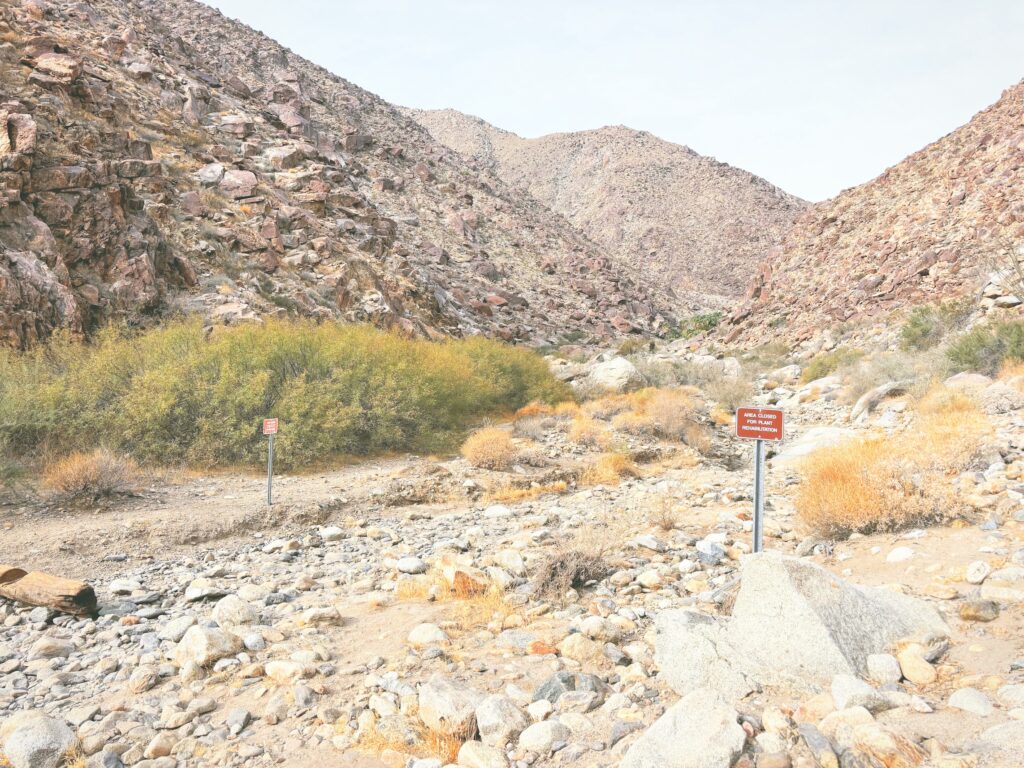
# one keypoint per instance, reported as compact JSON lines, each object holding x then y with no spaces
{"x":690,"y":220}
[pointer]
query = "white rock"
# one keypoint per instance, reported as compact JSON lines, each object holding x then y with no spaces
{"x":34,"y":740}
{"x":423,"y":635}
{"x":539,"y":737}
{"x":202,"y":646}
{"x":971,"y":700}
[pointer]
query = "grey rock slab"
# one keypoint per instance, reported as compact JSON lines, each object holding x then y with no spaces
{"x":698,"y":731}
{"x":34,"y":740}
{"x":794,"y":625}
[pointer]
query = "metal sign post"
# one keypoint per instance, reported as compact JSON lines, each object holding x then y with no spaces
{"x":759,"y":424}
{"x":270,"y":429}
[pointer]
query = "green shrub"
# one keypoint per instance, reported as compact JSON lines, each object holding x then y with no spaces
{"x":985,"y":348}
{"x":178,"y":395}
{"x":828,"y":362}
{"x":927,"y":325}
{"x":699,"y":323}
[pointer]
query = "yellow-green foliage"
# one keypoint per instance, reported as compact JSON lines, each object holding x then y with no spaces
{"x":180,"y":395}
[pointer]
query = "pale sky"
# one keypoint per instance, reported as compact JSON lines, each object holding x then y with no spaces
{"x":814,"y":95}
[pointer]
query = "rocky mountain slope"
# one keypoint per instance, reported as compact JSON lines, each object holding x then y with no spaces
{"x":157,"y":157}
{"x":698,"y":224}
{"x":924,"y":230}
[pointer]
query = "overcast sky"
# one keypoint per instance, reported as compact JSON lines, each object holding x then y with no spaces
{"x":814,"y":95}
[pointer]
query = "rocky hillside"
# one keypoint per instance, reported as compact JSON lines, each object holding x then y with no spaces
{"x":693,"y":222}
{"x":157,"y":157}
{"x":923,"y":230}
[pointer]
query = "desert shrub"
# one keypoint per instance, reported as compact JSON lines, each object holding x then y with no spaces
{"x":609,"y":469}
{"x":606,"y":407}
{"x":490,"y":448}
{"x":987,"y":347}
{"x":926,"y":326}
{"x":664,"y":514}
{"x":92,"y":476}
{"x":870,"y":372}
{"x":729,"y":392}
{"x":632,"y":346}
{"x":533,"y":427}
{"x":825,"y":363}
{"x":699,"y":323}
{"x":670,"y":412}
{"x":180,"y":395}
{"x":633,"y":423}
{"x":890,"y":483}
{"x":698,"y":437}
{"x":587,"y":432}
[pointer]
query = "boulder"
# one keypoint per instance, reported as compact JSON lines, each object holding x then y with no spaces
{"x":541,"y":737}
{"x":831,"y":627}
{"x":449,"y":707}
{"x":32,"y":739}
{"x":698,"y":731}
{"x":614,"y":375}
{"x":233,"y":611}
{"x":203,"y":646}
{"x":499,"y":720}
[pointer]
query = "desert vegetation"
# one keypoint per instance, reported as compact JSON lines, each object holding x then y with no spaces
{"x":181,"y":395}
{"x":890,"y":482}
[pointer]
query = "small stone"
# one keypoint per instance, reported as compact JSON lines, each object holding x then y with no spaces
{"x":884,"y":668}
{"x":411,"y":565}
{"x":915,"y":667}
{"x":978,"y":571}
{"x":971,"y":700}
{"x":979,"y":610}
{"x":423,"y":635}
{"x":540,"y":737}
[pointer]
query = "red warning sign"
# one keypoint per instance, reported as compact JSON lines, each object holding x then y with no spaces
{"x":759,"y":423}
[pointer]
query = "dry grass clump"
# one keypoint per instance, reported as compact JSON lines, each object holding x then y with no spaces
{"x":633,"y":423}
{"x":470,"y":606}
{"x":664,"y":514}
{"x":698,"y":437}
{"x":606,"y":407}
{"x":490,"y":448}
{"x":671,"y":413}
{"x":609,"y":469}
{"x":96,"y":475}
{"x":512,"y":493}
{"x":534,"y":409}
{"x":421,"y":742}
{"x":890,"y":483}
{"x":585,"y":557}
{"x":587,"y":432}
{"x":533,"y":427}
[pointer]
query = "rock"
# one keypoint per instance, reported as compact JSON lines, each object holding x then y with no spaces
{"x":979,"y":610}
{"x":175,"y":629}
{"x":232,"y":611}
{"x":423,"y":635}
{"x":885,"y":747}
{"x":1011,"y":696}
{"x":884,"y":668}
{"x":819,"y":746}
{"x":978,"y":571}
{"x":540,"y":737}
{"x":237,"y":719}
{"x":555,"y":686}
{"x":580,"y":648}
{"x":499,"y":721}
{"x":849,"y":691}
{"x":473,"y":754}
{"x":867,"y":402}
{"x":899,"y":555}
{"x":915,"y":667}
{"x":32,"y":739}
{"x":698,"y":731}
{"x":615,"y":375}
{"x":210,"y":174}
{"x":239,"y":184}
{"x":411,"y":565}
{"x":448,"y":707}
{"x":971,"y":700}
{"x":50,"y":648}
{"x":831,"y":628}
{"x":202,"y":646}
{"x":1004,"y":586}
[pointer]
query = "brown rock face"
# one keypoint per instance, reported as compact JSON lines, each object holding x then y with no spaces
{"x":696,"y":224}
{"x":156,"y":157}
{"x":922,"y":231}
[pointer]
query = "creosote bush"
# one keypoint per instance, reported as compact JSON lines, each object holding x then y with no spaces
{"x":91,"y":476}
{"x":490,"y":448}
{"x":986,"y":348}
{"x":888,"y":483}
{"x":180,"y":395}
